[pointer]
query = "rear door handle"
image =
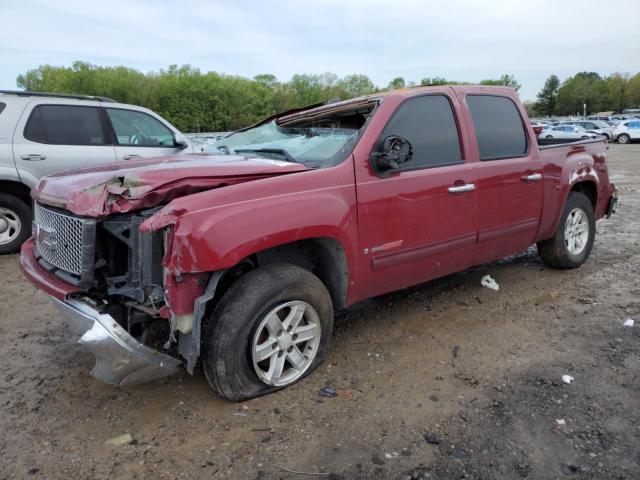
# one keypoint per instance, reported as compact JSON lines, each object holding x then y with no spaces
{"x":130,"y":157}
{"x":467,"y":187}
{"x":534,"y":177}
{"x":33,"y":156}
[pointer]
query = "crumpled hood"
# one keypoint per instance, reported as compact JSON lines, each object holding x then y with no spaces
{"x":132,"y":185}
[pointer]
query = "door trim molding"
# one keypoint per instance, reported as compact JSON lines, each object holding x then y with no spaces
{"x":392,"y":259}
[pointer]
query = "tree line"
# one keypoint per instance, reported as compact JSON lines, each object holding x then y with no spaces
{"x":600,"y":94}
{"x":196,"y":101}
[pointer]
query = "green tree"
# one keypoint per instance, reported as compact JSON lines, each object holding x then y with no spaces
{"x":505,"y":80}
{"x":548,"y":96}
{"x":396,"y":83}
{"x":583,"y":88}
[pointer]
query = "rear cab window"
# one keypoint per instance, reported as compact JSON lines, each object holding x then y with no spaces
{"x":429,"y":124}
{"x":66,"y":125}
{"x":2,"y":106}
{"x":499,"y":127}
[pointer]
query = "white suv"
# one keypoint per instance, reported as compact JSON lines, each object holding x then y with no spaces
{"x":42,"y":134}
{"x":627,"y":131}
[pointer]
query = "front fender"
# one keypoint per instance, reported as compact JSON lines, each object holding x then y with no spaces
{"x":220,"y":238}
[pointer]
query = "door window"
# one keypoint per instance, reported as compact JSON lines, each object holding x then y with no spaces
{"x":2,"y":105}
{"x":430,"y":126}
{"x":137,"y":129}
{"x":65,"y":125}
{"x":499,"y":127}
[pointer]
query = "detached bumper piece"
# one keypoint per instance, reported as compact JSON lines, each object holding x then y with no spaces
{"x":120,"y":358}
{"x":613,"y":202}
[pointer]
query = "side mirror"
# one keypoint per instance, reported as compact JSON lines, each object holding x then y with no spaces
{"x":180,"y":141}
{"x":395,"y":151}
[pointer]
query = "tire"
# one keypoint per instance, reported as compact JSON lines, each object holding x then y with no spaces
{"x":624,"y":138}
{"x":15,"y":223}
{"x":239,"y":325}
{"x":561,"y":251}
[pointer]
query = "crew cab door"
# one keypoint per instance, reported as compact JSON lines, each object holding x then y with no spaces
{"x":52,"y":137}
{"x":139,"y":134}
{"x":510,"y":175}
{"x":418,"y":221}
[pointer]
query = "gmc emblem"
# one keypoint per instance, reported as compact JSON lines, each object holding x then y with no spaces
{"x":47,"y":237}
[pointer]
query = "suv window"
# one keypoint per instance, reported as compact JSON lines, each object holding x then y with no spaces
{"x":498,"y":125}
{"x":2,"y":106}
{"x":428,"y":123}
{"x":65,"y":125}
{"x":139,"y":129}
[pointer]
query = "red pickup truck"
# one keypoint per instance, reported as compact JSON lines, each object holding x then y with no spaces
{"x":239,"y":258}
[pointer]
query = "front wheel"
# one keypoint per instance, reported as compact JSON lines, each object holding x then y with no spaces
{"x":269,"y":330}
{"x":624,"y":138}
{"x":15,"y":223}
{"x":572,"y":243}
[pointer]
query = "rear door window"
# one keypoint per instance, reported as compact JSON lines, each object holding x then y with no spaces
{"x":137,"y":129}
{"x":65,"y":125}
{"x":498,"y":126}
{"x":2,"y":106}
{"x":429,"y":124}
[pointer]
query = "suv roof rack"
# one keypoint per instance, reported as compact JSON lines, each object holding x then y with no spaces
{"x":25,"y":93}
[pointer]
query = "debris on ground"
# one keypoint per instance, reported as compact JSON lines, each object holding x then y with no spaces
{"x":124,"y":439}
{"x":489,"y":282}
{"x":561,"y":421}
{"x":391,"y":455}
{"x":328,"y":392}
{"x":629,"y":322}
{"x":567,"y":379}
{"x":432,"y":438}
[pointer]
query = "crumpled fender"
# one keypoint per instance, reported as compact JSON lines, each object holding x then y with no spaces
{"x":216,"y":229}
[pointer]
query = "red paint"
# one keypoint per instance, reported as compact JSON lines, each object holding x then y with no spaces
{"x":136,"y":184}
{"x":42,"y":279}
{"x":425,"y":231}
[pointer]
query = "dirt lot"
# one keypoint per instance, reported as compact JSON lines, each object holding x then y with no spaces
{"x":445,"y":380}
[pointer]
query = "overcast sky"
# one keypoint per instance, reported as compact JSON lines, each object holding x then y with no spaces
{"x":461,"y":40}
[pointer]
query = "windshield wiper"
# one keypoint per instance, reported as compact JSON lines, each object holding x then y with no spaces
{"x":277,"y":151}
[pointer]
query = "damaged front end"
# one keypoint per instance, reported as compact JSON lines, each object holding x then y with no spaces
{"x":111,"y":285}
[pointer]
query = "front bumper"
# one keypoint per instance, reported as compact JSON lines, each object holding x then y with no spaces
{"x":120,"y":358}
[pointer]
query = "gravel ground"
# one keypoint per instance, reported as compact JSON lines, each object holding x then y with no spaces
{"x":445,"y":380}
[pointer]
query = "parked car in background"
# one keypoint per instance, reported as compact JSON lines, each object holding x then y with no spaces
{"x":566,"y":132}
{"x":42,"y":134}
{"x":595,"y":126}
{"x":626,"y":132}
{"x":538,"y":127}
{"x":237,"y":260}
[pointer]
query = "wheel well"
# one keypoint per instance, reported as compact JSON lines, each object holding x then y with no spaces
{"x":324,"y":257}
{"x":588,"y":189}
{"x":18,"y":189}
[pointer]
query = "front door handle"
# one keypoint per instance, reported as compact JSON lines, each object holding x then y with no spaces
{"x":130,"y":157}
{"x":33,"y":156}
{"x":534,"y":177}
{"x":467,"y":187}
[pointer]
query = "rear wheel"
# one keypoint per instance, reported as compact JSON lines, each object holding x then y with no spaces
{"x":624,"y":138}
{"x":270,"y":329}
{"x":15,"y":223}
{"x":572,"y":243}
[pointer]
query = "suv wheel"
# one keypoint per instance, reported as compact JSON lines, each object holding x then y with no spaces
{"x":572,"y":243}
{"x":269,"y":330}
{"x":624,"y":138}
{"x":15,"y":223}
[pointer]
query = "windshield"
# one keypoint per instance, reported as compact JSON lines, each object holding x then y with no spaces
{"x":311,"y":146}
{"x":320,"y":140}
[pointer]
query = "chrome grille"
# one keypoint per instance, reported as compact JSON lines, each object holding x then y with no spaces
{"x":64,"y":241}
